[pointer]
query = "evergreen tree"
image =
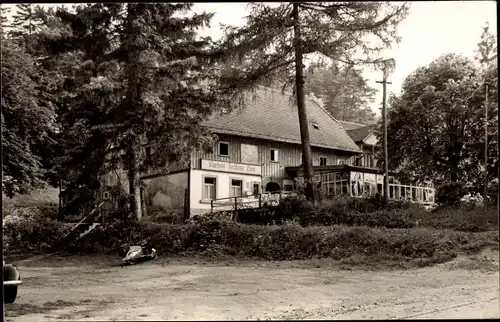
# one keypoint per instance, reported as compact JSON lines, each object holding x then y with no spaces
{"x":486,"y":52}
{"x":344,"y":92}
{"x":3,"y":16}
{"x":139,"y":69}
{"x":26,"y":19}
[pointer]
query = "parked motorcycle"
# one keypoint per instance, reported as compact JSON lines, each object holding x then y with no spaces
{"x":137,"y":253}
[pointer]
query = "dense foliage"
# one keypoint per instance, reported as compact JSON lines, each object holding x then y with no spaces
{"x":435,"y":128}
{"x":344,"y":92}
{"x":28,"y":115}
{"x":300,"y":230}
{"x":437,"y":122}
{"x":286,"y":242}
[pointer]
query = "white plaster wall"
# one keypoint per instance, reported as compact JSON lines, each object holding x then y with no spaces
{"x":222,"y":187}
{"x":370,"y":140}
{"x":166,"y":192}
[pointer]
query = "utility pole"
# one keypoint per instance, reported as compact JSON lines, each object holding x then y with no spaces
{"x":301,"y":106}
{"x":486,"y":144}
{"x":384,"y":83}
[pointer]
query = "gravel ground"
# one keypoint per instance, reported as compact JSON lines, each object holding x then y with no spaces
{"x":95,"y":289}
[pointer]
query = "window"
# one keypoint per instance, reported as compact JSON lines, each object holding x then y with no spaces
{"x":105,"y":195}
{"x":235,"y":189}
{"x":224,"y":148}
{"x":341,"y":162}
{"x":209,"y":188}
{"x":256,"y":189}
{"x":274,"y":155}
{"x":322,"y":161}
{"x":371,"y":161}
{"x":315,"y":125}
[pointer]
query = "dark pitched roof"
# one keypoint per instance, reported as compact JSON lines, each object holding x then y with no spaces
{"x":360,"y":133}
{"x":269,"y":114}
{"x":350,"y":125}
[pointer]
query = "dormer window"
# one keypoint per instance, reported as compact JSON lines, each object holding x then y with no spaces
{"x":315,"y":125}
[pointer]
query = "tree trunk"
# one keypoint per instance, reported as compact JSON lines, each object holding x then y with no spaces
{"x":133,"y":186}
{"x":301,"y":105}
{"x":386,"y":155}
{"x":132,"y":100}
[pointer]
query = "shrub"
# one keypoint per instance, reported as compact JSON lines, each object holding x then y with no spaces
{"x":31,"y":234}
{"x":449,"y":194}
{"x":286,"y":242}
{"x":362,"y":212}
{"x":461,"y":219}
{"x":217,"y":234}
{"x":340,"y":210}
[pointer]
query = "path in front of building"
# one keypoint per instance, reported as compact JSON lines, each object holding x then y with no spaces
{"x":173,"y":290}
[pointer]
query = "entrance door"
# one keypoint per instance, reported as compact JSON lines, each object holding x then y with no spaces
{"x":256,"y":189}
{"x":273,"y":187}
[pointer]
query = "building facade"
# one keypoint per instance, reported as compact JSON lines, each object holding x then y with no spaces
{"x":259,"y":150}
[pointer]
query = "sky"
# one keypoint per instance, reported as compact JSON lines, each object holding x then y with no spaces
{"x":432,"y":29}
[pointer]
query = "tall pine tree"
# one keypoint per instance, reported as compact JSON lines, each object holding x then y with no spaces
{"x":139,"y":69}
{"x":343,"y":90}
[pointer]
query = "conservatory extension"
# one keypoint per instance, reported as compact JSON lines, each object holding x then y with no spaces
{"x":362,"y":182}
{"x":335,"y":180}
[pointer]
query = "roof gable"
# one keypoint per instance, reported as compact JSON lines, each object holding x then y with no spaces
{"x":270,"y":114}
{"x":371,"y":139}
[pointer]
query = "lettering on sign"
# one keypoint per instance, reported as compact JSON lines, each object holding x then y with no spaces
{"x":231,"y":167}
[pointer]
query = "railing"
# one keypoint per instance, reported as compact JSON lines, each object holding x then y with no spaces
{"x":423,"y":195}
{"x":420,"y":195}
{"x":91,"y":214}
{"x":245,"y":202}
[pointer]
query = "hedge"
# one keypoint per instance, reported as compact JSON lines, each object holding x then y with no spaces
{"x":352,"y":211}
{"x":286,"y":242}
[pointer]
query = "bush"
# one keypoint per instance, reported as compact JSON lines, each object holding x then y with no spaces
{"x":286,"y":242}
{"x":461,"y":219}
{"x":449,"y":194}
{"x":363,"y":212}
{"x":217,"y":234}
{"x":31,"y":234}
{"x":341,"y":210}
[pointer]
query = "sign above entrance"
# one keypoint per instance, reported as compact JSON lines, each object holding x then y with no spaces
{"x":231,"y":167}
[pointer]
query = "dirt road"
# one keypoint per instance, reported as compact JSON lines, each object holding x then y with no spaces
{"x":164,"y":290}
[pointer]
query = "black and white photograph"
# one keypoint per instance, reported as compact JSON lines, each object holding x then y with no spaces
{"x":212,"y":161}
